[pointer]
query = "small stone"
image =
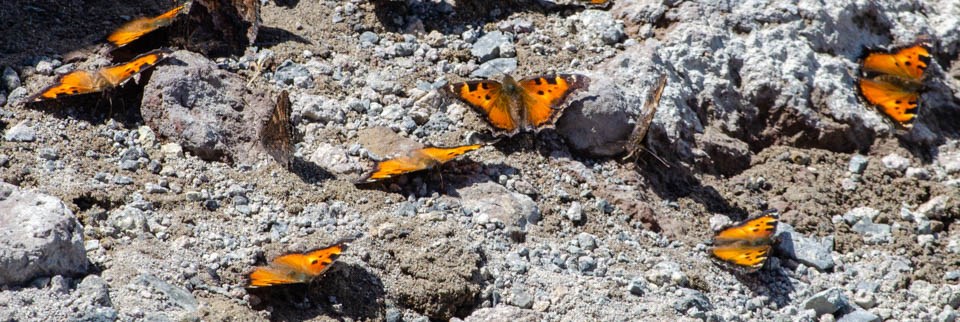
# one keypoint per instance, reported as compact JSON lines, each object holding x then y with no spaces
{"x":918,"y":173}
{"x":952,"y":275}
{"x":155,"y":188}
{"x":858,"y":164}
{"x":692,"y":302}
{"x":826,"y":302}
{"x":488,"y":46}
{"x":522,"y":299}
{"x":859,"y":316}
{"x":130,"y":165}
{"x":896,"y":162}
{"x":873,"y":233}
{"x":9,"y":80}
{"x":666,"y":273}
{"x":288,"y":72}
{"x":575,"y":212}
{"x":586,"y":264}
{"x":637,"y":286}
{"x":855,"y":215}
{"x":22,"y":132}
{"x":369,"y":37}
{"x":49,"y":153}
{"x":171,"y":151}
{"x":806,"y":250}
{"x":122,"y":180}
{"x":516,"y":263}
{"x":848,"y":184}
{"x":935,"y":208}
{"x":495,"y":67}
{"x":587,"y":241}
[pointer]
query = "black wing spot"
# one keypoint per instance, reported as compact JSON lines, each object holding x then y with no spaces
{"x":540,"y":93}
{"x":538,"y":81}
{"x":908,"y":64}
{"x":314,"y":261}
{"x":898,"y":102}
{"x":472,"y":87}
{"x":486,"y":97}
{"x":484,"y":86}
{"x":552,"y":81}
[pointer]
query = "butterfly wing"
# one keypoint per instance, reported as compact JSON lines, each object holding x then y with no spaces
{"x":635,"y":142}
{"x":74,"y":83}
{"x":442,"y":155}
{"x":898,"y":103}
{"x":758,"y":230}
{"x":296,"y":268}
{"x":136,"y":28}
{"x":745,"y":258}
{"x":486,"y":97}
{"x":278,"y":132}
{"x":908,"y":63}
{"x":115,"y":75}
{"x":543,"y":96}
{"x":415,"y":161}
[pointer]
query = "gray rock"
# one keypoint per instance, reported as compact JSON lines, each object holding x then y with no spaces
{"x":176,"y":295}
{"x":48,"y":153}
{"x":41,"y":237}
{"x":9,"y":80}
{"x":596,"y":121}
{"x":586,"y":264}
{"x":826,"y":302}
{"x":858,"y":163}
{"x":129,"y":220}
{"x":317,"y":108}
{"x":587,"y":241}
{"x":17,"y":96}
{"x":637,"y":286}
{"x":498,"y":203}
{"x":855,"y":215}
{"x":859,"y":316}
{"x":369,"y":37}
{"x":206,"y":110}
{"x":918,"y":173}
{"x":873,"y":233}
{"x":692,"y":301}
{"x":122,"y":180}
{"x":503,"y":313}
{"x":22,"y":132}
{"x":806,"y":250}
{"x":495,"y":67}
{"x":291,"y":73}
{"x":516,"y":263}
{"x":94,"y":290}
{"x":575,"y":212}
{"x":488,"y":46}
{"x":666,"y":273}
{"x":938,"y":208}
{"x":522,"y":299}
{"x":896,"y":162}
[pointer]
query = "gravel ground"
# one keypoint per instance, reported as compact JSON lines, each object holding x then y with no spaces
{"x":153,"y":202}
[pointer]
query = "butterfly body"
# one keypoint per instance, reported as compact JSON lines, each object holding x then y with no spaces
{"x":746,"y":246}
{"x":295,"y":267}
{"x":279,"y":133}
{"x":635,"y":142}
{"x":416,"y":160}
{"x":83,"y":81}
{"x":893,"y":81}
{"x":512,"y":106}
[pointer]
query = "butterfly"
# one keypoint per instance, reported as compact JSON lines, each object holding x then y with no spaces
{"x":279,"y":133}
{"x":296,"y":267}
{"x":416,"y":160}
{"x":598,"y":3}
{"x":83,"y":82}
{"x":510,"y":106}
{"x":746,"y":246}
{"x":635,"y":142}
{"x":136,"y":28}
{"x":893,"y":81}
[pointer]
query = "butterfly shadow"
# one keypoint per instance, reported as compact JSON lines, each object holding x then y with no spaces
{"x":121,"y":104}
{"x":309,"y":172}
{"x":675,"y":181}
{"x":345,"y":291}
{"x":271,"y":36}
{"x":773,"y":283}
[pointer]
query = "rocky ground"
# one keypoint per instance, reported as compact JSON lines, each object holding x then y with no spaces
{"x":156,"y":207}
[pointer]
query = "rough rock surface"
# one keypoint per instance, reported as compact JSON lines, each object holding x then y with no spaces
{"x":40,"y":237}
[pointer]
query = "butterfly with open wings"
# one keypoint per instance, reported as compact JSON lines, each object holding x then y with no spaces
{"x":416,"y":160}
{"x":894,"y":81}
{"x":295,"y":268}
{"x":83,"y":81}
{"x":746,"y":246}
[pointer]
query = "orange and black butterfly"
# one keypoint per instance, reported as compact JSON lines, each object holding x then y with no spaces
{"x":136,"y":28}
{"x":83,"y":82}
{"x":512,"y":106}
{"x":635,"y":142}
{"x":416,"y":160}
{"x":598,"y":3}
{"x":893,"y":81}
{"x":746,"y":246}
{"x":296,"y":267}
{"x":278,"y":134}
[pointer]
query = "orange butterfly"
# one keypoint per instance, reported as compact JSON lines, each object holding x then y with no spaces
{"x":745,"y":246}
{"x":598,"y":3}
{"x":416,"y":160}
{"x":83,"y":82}
{"x":893,"y":81}
{"x":296,"y":268}
{"x":278,"y":134}
{"x":136,"y":28}
{"x":635,"y":142}
{"x":530,"y":104}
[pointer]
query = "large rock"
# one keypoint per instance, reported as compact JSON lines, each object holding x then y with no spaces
{"x":208,"y":111}
{"x":599,"y":123}
{"x":491,"y":202}
{"x":40,"y":237}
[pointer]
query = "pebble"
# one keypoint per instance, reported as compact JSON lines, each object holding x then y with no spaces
{"x":637,"y":286}
{"x":155,"y":188}
{"x":522,"y":299}
{"x":666,"y":273}
{"x":858,"y":164}
{"x":575,"y":212}
{"x":9,"y":80}
{"x":587,"y":241}
{"x":855,"y":215}
{"x":806,"y":250}
{"x":122,"y":180}
{"x":859,"y":316}
{"x":873,"y":234}
{"x":692,"y":302}
{"x":369,"y":37}
{"x":291,"y":73}
{"x":48,"y":153}
{"x":495,"y":67}
{"x":488,"y":46}
{"x":22,"y":132}
{"x":586,"y":264}
{"x":826,"y":302}
{"x":896,"y":162}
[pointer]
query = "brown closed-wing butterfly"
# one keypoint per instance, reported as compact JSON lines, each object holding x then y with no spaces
{"x":136,"y":28}
{"x":296,"y":267}
{"x":893,"y":81}
{"x":512,"y":106}
{"x":83,"y":82}
{"x":416,"y":160}
{"x":635,"y":142}
{"x":279,"y":133}
{"x":745,"y":247}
